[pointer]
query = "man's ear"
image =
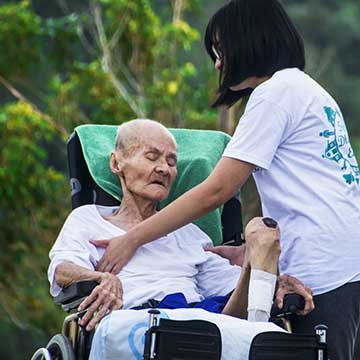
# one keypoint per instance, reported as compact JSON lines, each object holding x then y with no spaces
{"x":116,"y":163}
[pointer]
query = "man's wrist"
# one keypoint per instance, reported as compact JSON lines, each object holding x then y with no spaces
{"x":99,"y":276}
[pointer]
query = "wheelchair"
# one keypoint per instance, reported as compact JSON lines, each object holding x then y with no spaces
{"x":189,"y":340}
{"x":171,"y":339}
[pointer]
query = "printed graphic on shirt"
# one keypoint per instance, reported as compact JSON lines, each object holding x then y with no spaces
{"x":338,"y":146}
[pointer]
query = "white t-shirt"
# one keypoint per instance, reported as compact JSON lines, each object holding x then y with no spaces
{"x":307,"y":176}
{"x":174,"y":263}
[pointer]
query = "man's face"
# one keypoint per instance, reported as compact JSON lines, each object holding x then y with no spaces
{"x":150,"y":167}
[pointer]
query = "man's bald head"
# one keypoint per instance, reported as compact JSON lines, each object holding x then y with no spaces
{"x":133,"y":134}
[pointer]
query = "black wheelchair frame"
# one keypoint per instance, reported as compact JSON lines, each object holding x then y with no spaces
{"x":169,"y":339}
{"x":188,"y":340}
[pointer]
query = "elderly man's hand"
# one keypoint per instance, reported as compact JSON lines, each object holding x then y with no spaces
{"x":290,"y":285}
{"x":118,"y":253}
{"x":262,"y":245}
{"x":105,"y":298}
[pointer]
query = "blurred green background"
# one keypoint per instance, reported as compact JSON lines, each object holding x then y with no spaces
{"x":69,"y":62}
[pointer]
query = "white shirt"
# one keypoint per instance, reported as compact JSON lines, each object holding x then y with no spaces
{"x":307,"y":176}
{"x":174,"y":263}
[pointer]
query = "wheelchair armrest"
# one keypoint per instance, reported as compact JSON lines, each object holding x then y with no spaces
{"x":75,"y":292}
{"x":283,"y":346}
{"x":292,"y":304}
{"x":183,"y":339}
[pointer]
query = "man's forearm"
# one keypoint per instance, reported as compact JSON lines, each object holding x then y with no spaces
{"x":238,"y":302}
{"x":68,"y":273}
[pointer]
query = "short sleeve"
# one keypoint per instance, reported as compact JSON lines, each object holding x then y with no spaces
{"x":259,"y":133}
{"x":71,"y":245}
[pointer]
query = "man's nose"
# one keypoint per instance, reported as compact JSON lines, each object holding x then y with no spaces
{"x":162,"y":167}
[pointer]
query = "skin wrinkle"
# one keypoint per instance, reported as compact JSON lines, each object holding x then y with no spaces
{"x":152,"y":158}
{"x":148,"y":179}
{"x":127,"y":137}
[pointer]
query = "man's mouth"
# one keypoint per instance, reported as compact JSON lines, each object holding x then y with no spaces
{"x":159,"y":182}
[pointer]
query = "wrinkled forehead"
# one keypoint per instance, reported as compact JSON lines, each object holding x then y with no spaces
{"x":162,"y":142}
{"x":155,"y":141}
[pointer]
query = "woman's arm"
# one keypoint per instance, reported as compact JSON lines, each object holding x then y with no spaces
{"x":227,"y":178}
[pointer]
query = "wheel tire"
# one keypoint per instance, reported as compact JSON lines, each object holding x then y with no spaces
{"x":60,"y":348}
{"x":41,"y":354}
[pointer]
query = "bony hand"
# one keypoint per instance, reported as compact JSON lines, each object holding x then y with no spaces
{"x":261,"y":235}
{"x":235,"y":254}
{"x":118,"y":252}
{"x":262,"y":245}
{"x":105,"y":298}
{"x":290,"y":285}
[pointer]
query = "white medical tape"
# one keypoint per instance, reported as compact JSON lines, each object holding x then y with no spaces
{"x":261,"y":291}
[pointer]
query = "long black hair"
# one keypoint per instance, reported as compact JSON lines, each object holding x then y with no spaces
{"x":253,"y":38}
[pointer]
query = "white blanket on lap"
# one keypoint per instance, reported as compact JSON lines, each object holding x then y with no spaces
{"x":121,"y":334}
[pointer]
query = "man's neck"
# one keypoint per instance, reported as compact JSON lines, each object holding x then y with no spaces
{"x":132,"y":211}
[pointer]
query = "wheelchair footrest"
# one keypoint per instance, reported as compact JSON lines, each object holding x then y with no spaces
{"x":284,"y":346}
{"x":188,"y":340}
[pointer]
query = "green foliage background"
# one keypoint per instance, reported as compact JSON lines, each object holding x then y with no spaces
{"x":65,"y":63}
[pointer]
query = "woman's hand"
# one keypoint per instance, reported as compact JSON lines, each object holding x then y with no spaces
{"x":235,"y":254}
{"x":290,"y":285}
{"x":119,"y":251}
{"x":105,"y":298}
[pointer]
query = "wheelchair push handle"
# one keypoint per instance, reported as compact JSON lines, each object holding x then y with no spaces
{"x":292,"y":304}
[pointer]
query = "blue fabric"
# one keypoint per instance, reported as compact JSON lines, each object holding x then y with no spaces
{"x":178,"y":301}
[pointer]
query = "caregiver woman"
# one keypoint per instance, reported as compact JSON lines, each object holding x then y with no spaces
{"x":293,"y":140}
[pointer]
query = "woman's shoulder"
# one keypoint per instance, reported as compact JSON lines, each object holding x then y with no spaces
{"x":280,"y":83}
{"x":287,"y":86}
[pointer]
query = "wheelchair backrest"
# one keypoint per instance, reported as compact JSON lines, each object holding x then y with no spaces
{"x":87,"y":189}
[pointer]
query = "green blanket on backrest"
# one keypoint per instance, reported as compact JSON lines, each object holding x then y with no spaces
{"x":198,"y":153}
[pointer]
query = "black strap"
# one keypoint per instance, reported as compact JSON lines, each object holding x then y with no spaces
{"x":150,"y":304}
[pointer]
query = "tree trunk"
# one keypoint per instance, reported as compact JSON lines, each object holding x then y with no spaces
{"x":178,"y":10}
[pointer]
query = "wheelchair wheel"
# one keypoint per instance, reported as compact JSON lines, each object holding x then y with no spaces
{"x":60,"y":348}
{"x":41,"y":354}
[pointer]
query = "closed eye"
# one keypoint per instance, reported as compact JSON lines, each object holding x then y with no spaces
{"x":152,"y":156}
{"x":172,"y":161}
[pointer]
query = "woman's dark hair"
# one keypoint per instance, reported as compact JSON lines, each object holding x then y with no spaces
{"x":253,"y":38}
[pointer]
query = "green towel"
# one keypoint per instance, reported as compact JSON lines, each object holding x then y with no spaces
{"x":198,"y":153}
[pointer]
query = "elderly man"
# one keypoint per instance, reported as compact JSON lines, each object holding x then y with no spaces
{"x":144,"y":159}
